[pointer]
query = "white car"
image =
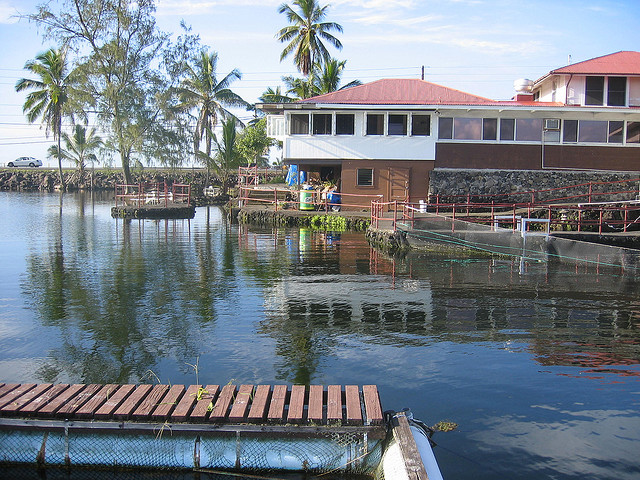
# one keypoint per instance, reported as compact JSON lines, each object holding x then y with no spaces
{"x":25,"y":162}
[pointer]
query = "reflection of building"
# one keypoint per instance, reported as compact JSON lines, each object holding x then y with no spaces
{"x":384,"y":137}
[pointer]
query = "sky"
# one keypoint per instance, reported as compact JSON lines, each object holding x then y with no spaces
{"x":478,"y":46}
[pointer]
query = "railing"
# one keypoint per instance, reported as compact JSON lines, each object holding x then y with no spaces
{"x":304,"y":199}
{"x":252,"y":175}
{"x":149,"y":194}
{"x":600,"y":217}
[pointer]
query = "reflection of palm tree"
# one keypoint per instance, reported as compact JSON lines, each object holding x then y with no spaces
{"x":305,"y":34}
{"x":50,"y":98}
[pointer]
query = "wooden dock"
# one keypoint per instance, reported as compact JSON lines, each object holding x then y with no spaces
{"x":201,"y":404}
{"x":226,"y":427}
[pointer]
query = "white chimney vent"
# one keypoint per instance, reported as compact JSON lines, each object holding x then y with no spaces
{"x":523,"y":85}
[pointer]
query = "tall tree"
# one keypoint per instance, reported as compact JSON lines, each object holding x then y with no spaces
{"x":201,"y":91}
{"x":119,"y":49}
{"x":306,"y":33}
{"x":52,"y":96}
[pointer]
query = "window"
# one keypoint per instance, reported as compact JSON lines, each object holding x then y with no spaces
{"x":420,"y":125}
{"x":529,"y":129}
{"x":375,"y":124}
{"x":593,"y":131}
{"x":299,"y":124}
{"x":570,"y":131}
{"x":489,"y":128}
{"x":594,"y":91}
{"x":321,"y":123}
{"x":467,"y":128}
{"x":345,"y":124}
{"x":615,"y":131}
{"x":507,"y":129}
{"x":397,"y":124}
{"x":364,"y":177}
{"x":617,"y":91}
{"x":633,"y":132}
{"x":445,"y":127}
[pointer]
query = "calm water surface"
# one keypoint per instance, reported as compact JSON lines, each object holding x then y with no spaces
{"x":537,"y":363}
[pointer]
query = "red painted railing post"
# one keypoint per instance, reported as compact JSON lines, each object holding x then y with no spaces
{"x":600,"y":226}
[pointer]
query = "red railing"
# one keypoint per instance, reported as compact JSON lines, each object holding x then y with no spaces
{"x":615,"y":216}
{"x":149,"y":194}
{"x":313,"y":199}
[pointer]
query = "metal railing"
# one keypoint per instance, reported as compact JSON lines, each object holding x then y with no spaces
{"x":282,"y":198}
{"x":152,"y":194}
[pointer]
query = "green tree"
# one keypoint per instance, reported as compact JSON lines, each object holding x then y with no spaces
{"x":81,"y":147}
{"x":253,"y":143}
{"x":126,"y":65}
{"x":275,"y":96}
{"x":305,"y":34}
{"x":227,"y":156}
{"x":329,"y":77}
{"x":52,"y":97}
{"x":201,"y":91}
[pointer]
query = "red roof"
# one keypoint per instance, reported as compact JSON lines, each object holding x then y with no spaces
{"x":406,"y":91}
{"x":619,"y":63}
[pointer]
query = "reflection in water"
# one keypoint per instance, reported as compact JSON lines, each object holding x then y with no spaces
{"x":537,"y":362}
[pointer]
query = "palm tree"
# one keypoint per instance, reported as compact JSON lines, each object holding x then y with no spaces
{"x":328,"y":79}
{"x":52,"y":95}
{"x":201,"y":90}
{"x":227,"y":156}
{"x":80,"y":147}
{"x":276,"y":96}
{"x":305,"y":34}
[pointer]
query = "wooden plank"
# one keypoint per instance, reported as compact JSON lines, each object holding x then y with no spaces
{"x":74,"y":403}
{"x":334,"y":404}
{"x":258,"y":409}
{"x":7,"y":387}
{"x":167,"y":404}
{"x":278,"y":399}
{"x":150,"y":402}
{"x":113,"y":403}
{"x":316,"y":401}
{"x":13,"y":407}
{"x":185,"y":404}
{"x":55,"y":404}
{"x":41,"y":400}
{"x":125,"y":410}
{"x":372,"y":405}
{"x":296,"y":404}
{"x":11,"y":396}
{"x":354,"y":408}
{"x":221,"y":406}
{"x":96,"y":401}
{"x":204,"y":403}
{"x":414,"y":467}
{"x":241,"y":405}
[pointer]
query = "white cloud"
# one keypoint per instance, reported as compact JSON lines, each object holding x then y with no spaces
{"x":199,"y":7}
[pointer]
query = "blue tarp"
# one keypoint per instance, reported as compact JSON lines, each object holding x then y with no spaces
{"x":292,"y":176}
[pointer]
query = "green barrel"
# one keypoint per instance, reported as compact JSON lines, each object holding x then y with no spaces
{"x":306,"y":200}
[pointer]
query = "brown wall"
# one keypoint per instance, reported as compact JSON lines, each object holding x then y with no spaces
{"x":529,"y":157}
{"x":418,"y":178}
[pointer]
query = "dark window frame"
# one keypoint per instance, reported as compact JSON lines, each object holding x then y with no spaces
{"x":363,"y":176}
{"x":292,"y":123}
{"x":324,"y":123}
{"x":445,"y":128}
{"x":617,"y":91}
{"x":397,"y":128}
{"x":415,"y":133}
{"x":369,"y":130}
{"x":594,"y":90}
{"x":351,"y":126}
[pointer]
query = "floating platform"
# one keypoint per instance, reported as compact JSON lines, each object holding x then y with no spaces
{"x":179,"y":211}
{"x":246,"y":427}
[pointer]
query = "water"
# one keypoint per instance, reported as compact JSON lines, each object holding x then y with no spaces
{"x":537,"y":363}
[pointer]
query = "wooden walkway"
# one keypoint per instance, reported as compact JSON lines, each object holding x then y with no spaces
{"x":200,"y":404}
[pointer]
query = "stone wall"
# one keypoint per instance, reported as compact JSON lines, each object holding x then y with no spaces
{"x":485,"y":186}
{"x":36,"y":179}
